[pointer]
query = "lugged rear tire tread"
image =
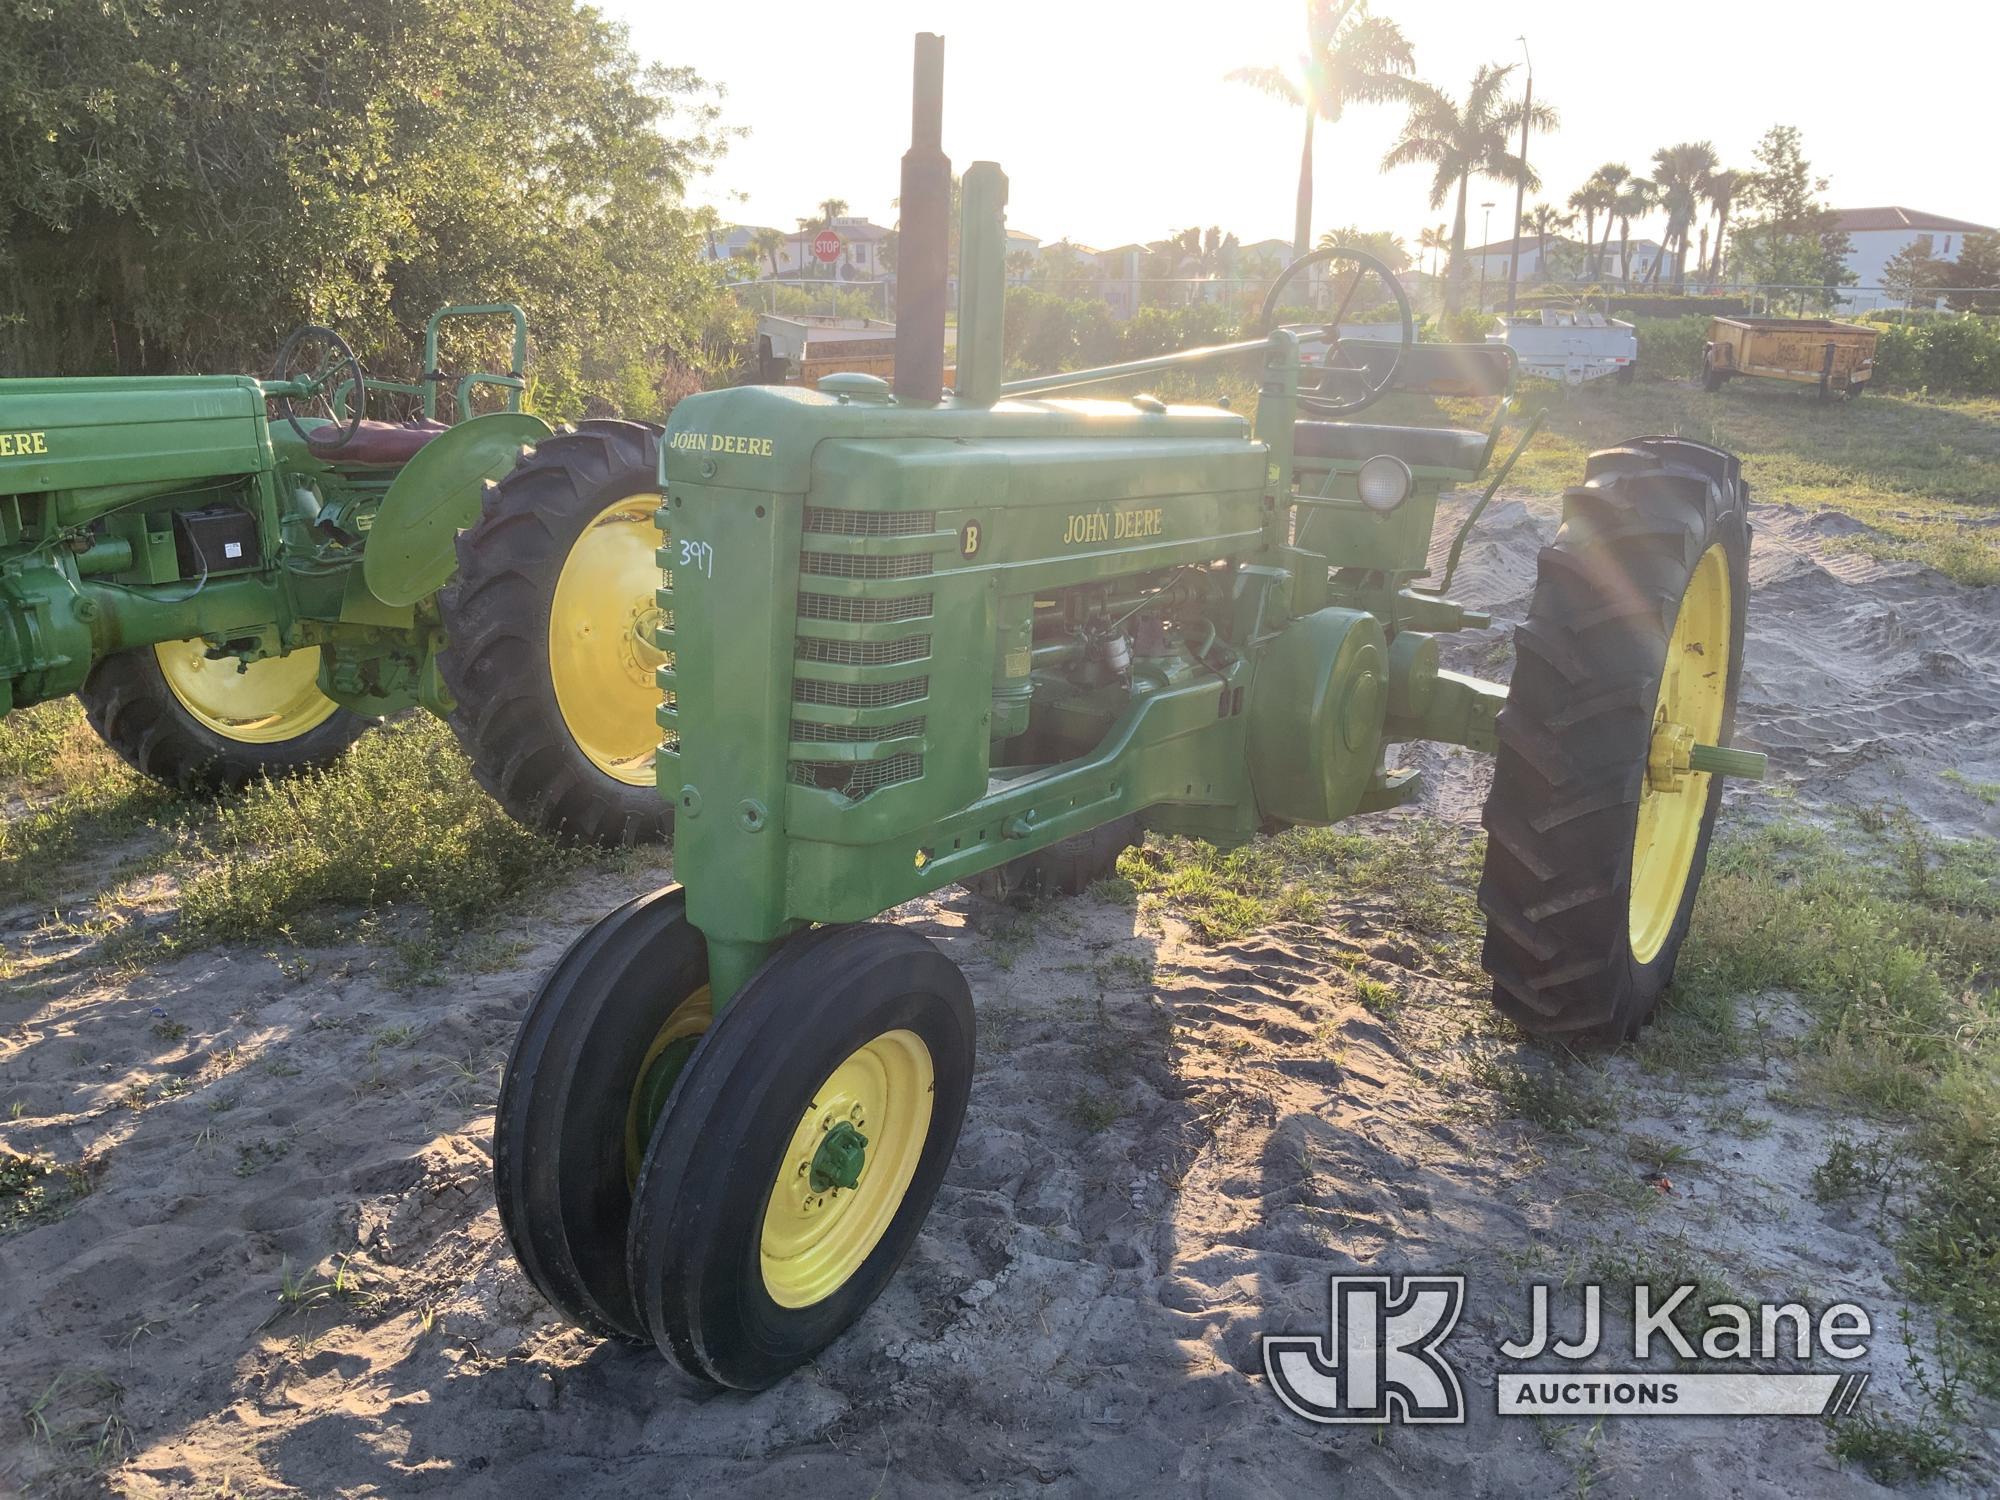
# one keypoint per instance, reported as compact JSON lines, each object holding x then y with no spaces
{"x":1572,"y":740}
{"x":496,"y":611}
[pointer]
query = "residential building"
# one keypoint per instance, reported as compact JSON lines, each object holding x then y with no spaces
{"x":1879,"y":235}
{"x":862,"y":252}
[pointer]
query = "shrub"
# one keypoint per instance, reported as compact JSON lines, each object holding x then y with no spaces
{"x":1670,"y":348}
{"x":1941,"y":353}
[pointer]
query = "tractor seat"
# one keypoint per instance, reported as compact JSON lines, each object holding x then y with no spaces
{"x":1419,"y":447}
{"x":383,"y":443}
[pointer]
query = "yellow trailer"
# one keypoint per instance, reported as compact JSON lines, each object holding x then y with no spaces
{"x":1839,"y":358}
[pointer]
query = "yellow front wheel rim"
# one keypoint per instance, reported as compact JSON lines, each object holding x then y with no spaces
{"x":601,"y":651}
{"x":1694,"y":687}
{"x":266,"y":702}
{"x":671,"y":1047}
{"x":816,"y":1235}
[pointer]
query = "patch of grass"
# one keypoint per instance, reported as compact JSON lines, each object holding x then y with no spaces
{"x":1986,"y":791}
{"x":78,"y":1420}
{"x":1375,"y":997}
{"x":398,"y":820}
{"x":36,"y":1189}
{"x":1094,"y":1111}
{"x":72,"y":793}
{"x":1545,"y":1096}
{"x":1891,"y":939}
{"x":1920,"y":472}
{"x":1427,"y":869}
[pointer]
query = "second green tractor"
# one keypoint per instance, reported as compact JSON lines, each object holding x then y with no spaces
{"x":990,"y":636}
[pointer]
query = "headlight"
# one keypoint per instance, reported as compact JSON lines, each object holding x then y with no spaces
{"x":1384,"y":482}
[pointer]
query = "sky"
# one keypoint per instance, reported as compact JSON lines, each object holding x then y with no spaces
{"x":1115,"y":122}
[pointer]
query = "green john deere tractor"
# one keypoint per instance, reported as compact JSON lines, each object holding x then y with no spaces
{"x":917,"y":637}
{"x":238,"y":576}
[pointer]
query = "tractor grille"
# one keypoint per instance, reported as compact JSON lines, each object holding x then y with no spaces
{"x":827,"y":522}
{"x":863,"y":611}
{"x":859,"y":694}
{"x":856,"y":779}
{"x":865,"y":565}
{"x":840,"y":662}
{"x":864,"y":653}
{"x":855,"y":734}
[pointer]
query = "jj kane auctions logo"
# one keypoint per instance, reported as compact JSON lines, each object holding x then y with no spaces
{"x":1382,"y":1357}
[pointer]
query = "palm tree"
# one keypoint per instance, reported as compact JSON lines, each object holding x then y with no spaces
{"x":1634,"y":199}
{"x":1461,"y":142}
{"x":1434,"y":240}
{"x":831,"y":209}
{"x":1680,"y":180}
{"x":1351,"y":58}
{"x":1600,"y":190}
{"x":1724,"y":184}
{"x":1545,"y":219}
{"x":767,"y":243}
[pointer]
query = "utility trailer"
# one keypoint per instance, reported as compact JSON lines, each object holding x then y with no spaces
{"x":1839,"y":358}
{"x":1570,"y":345}
{"x":805,"y":349}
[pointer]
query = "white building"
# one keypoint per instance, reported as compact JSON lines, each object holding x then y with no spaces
{"x":1879,"y":235}
{"x":1499,"y":257}
{"x":861,"y":258}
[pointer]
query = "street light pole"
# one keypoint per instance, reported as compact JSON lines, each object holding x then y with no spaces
{"x":1485,"y":250}
{"x":1521,"y":182}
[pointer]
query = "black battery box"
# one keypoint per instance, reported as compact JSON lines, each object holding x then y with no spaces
{"x":218,"y":539}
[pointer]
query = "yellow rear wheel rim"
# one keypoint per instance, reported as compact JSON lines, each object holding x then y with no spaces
{"x":601,"y":651}
{"x":265,"y":703}
{"x":1694,"y":685}
{"x":814,"y":1240}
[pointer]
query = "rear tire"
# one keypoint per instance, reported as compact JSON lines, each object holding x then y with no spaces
{"x":1068,"y":867}
{"x":1587,"y":899}
{"x":589,"y":782}
{"x":161,"y":734}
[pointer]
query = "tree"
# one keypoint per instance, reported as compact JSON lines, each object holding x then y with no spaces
{"x":1600,"y":191}
{"x":1680,"y":182}
{"x":1912,"y":275}
{"x":831,"y":209}
{"x":768,"y":242}
{"x":1351,"y":57}
{"x":1434,"y":240}
{"x":1724,"y":184}
{"x":1975,"y":274}
{"x":1066,"y":269}
{"x":1790,"y":238}
{"x":1543,"y":220}
{"x":179,"y":184}
{"x":1637,"y":198}
{"x":1460,"y":142}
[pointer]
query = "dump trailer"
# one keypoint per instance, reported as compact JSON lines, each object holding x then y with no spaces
{"x":238,"y":576}
{"x":991,"y":638}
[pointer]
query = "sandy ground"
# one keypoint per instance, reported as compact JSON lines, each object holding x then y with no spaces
{"x":1170,"y":1147}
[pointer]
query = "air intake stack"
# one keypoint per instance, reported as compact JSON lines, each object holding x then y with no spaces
{"x":923,"y":249}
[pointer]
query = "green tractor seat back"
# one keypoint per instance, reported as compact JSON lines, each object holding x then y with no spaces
{"x":1455,"y":454}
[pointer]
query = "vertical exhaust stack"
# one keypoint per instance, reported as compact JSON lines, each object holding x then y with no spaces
{"x":923,"y":245}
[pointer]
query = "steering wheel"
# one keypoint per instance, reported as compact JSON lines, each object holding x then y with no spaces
{"x":1373,"y":387}
{"x":320,"y":360}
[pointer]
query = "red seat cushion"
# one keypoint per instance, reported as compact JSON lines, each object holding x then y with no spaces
{"x":382,"y":443}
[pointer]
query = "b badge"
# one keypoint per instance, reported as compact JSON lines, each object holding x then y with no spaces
{"x":971,"y":536}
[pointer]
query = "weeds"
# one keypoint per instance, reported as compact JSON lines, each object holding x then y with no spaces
{"x":398,"y":819}
{"x":36,"y":1189}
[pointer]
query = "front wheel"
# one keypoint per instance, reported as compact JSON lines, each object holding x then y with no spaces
{"x":1632,"y":653}
{"x":549,"y":623}
{"x":799,"y":1155}
{"x":200,"y":724}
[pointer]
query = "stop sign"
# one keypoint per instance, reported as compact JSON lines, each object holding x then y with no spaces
{"x":826,"y":246}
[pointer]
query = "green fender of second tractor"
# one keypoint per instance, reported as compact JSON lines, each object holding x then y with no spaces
{"x":412,"y":545}
{"x":1316,"y":715}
